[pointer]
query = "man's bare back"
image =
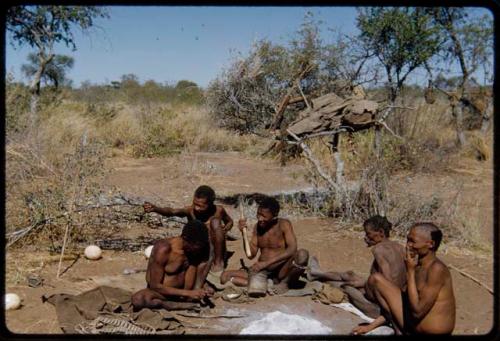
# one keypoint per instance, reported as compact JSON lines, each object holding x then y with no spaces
{"x":388,"y":259}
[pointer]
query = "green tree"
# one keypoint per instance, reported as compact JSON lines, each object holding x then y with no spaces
{"x":402,"y":39}
{"x":468,"y":40}
{"x":55,"y":70}
{"x":41,"y":27}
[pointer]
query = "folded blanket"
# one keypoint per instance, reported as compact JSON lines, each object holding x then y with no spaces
{"x":108,"y":310}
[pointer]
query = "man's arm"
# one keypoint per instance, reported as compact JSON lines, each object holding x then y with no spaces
{"x":159,"y":258}
{"x":290,"y":242}
{"x":254,"y":248}
{"x":166,"y":211}
{"x":421,"y":305}
{"x":227,"y":220}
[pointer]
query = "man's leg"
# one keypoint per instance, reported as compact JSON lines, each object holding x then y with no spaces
{"x":389,"y":297}
{"x":359,"y":301}
{"x":218,"y":239}
{"x":147,"y":298}
{"x":237,"y":277}
{"x":314,"y":273}
{"x":291,"y":271}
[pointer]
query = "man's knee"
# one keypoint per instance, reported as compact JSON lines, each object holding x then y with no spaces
{"x":301,"y":257}
{"x":375,"y":279}
{"x":138,"y":300}
{"x":225,"y":277}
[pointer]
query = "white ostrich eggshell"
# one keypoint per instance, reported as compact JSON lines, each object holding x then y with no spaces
{"x":148,"y":250}
{"x":12,"y":301}
{"x":93,"y":252}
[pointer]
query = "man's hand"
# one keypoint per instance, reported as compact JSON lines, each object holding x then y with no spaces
{"x":242,"y":224}
{"x":208,"y":289}
{"x":411,"y":258}
{"x":360,"y":330}
{"x":148,"y":207}
{"x":199,"y":294}
{"x":258,"y":266}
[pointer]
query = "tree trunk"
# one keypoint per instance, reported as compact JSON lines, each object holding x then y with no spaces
{"x":339,"y":174}
{"x":459,"y":117}
{"x":377,"y":141}
{"x":487,"y":117}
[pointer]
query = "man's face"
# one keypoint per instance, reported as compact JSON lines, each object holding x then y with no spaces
{"x":264,"y":216}
{"x":200,"y":205}
{"x":418,"y":241}
{"x":373,"y":237}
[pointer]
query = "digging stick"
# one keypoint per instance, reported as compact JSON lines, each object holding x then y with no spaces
{"x":475,"y":280}
{"x":246,"y":244}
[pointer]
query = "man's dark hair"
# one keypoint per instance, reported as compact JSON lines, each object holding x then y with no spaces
{"x":434,"y":232}
{"x":271,"y":204}
{"x":205,"y":192}
{"x":378,"y":223}
{"x":195,"y":232}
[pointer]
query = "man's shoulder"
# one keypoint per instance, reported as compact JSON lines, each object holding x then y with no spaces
{"x":439,"y":267}
{"x":387,"y":246}
{"x":163,"y":244}
{"x":285,"y":221}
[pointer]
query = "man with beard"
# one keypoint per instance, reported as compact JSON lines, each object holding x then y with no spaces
{"x":214,"y":216}
{"x":175,"y":271}
{"x":279,"y":258}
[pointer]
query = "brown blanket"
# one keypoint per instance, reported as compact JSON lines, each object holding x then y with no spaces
{"x":107,"y":310}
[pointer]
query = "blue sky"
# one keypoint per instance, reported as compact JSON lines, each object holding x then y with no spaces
{"x":168,"y":44}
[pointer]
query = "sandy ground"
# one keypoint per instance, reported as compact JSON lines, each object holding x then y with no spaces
{"x":173,"y":180}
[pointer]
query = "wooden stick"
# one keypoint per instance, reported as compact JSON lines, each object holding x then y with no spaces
{"x":246,"y":244}
{"x":463,"y":273}
{"x":62,"y":250}
{"x":308,"y":153}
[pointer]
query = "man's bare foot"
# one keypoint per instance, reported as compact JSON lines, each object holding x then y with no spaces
{"x":312,"y":269}
{"x":279,"y":289}
{"x":217,"y":267}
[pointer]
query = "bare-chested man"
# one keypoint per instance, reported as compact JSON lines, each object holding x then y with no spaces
{"x":176,"y":269}
{"x":388,"y":260}
{"x":279,"y":257}
{"x":203,"y":209}
{"x":428,"y":304}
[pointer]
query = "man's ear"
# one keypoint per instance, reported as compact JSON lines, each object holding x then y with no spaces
{"x":432,"y":244}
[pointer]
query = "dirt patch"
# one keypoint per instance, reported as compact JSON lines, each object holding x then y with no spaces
{"x":338,"y":247}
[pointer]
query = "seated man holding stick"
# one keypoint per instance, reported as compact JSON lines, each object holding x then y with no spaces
{"x":427,"y":306}
{"x":214,"y":216}
{"x":175,"y":275}
{"x":388,"y":260}
{"x":279,"y":258}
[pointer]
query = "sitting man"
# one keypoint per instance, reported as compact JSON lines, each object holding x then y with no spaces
{"x":214,"y":216}
{"x":428,"y":304}
{"x":388,"y":260}
{"x":175,"y":271}
{"x":279,"y":258}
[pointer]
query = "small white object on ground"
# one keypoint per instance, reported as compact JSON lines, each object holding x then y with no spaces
{"x":352,"y":309}
{"x":12,"y":301}
{"x":93,"y":252}
{"x":148,"y":250}
{"x":281,"y":323}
